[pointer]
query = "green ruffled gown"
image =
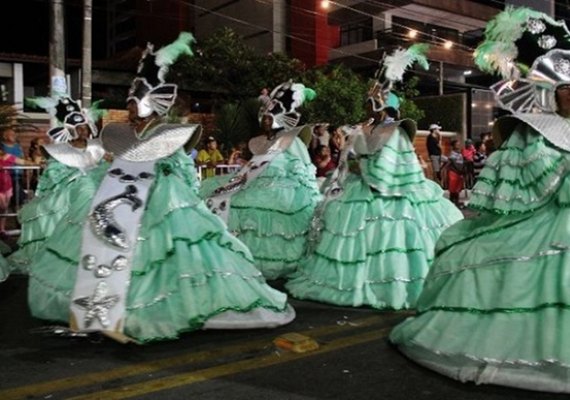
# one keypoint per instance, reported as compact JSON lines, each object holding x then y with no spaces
{"x":373,"y":245}
{"x":187,"y":271}
{"x":272,"y":214}
{"x":40,"y":216}
{"x":496,"y":304}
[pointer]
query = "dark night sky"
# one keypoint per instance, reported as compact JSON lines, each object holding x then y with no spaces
{"x":31,"y":35}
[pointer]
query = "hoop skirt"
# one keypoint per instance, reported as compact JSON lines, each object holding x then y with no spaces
{"x":272,"y":214}
{"x":188,"y":271}
{"x":496,"y":304}
{"x":373,"y":244}
{"x":40,"y":216}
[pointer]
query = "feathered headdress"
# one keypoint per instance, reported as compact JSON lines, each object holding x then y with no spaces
{"x":149,"y":89}
{"x":391,"y":70}
{"x":69,"y":116}
{"x":283,"y":102}
{"x":531,"y":52}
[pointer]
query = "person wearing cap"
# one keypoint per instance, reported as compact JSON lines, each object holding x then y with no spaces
{"x":76,"y":165}
{"x":495,"y":308}
{"x":269,"y":203}
{"x":209,"y":158}
{"x":146,"y":260}
{"x":372,"y":237}
{"x":433,"y":143}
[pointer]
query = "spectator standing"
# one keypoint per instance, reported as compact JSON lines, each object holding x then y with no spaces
{"x":11,"y":146}
{"x":320,"y":137}
{"x":434,"y":150}
{"x":239,"y":155}
{"x":468,"y":153}
{"x":6,"y":188}
{"x":36,"y":156}
{"x":455,"y":172}
{"x":193,"y":153}
{"x":323,"y":161}
{"x":209,"y":157}
{"x":337,"y":143}
{"x":489,"y":147}
{"x":479,"y":159}
{"x":263,"y":97}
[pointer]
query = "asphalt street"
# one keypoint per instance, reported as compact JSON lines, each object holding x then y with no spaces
{"x":354,"y":361}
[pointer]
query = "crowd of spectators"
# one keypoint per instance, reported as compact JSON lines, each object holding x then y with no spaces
{"x":460,"y":169}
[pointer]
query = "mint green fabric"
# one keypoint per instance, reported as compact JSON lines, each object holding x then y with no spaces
{"x":376,"y":241}
{"x":39,"y":217}
{"x":496,"y":306}
{"x":186,"y":269}
{"x":272,"y":214}
{"x":208,"y":185}
{"x":4,"y":269}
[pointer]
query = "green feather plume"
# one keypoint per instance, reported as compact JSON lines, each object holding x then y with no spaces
{"x":94,"y":113}
{"x":498,"y":53}
{"x":310,"y":94}
{"x":396,"y":64}
{"x":167,"y":55}
{"x":492,"y":56}
{"x":510,"y":24}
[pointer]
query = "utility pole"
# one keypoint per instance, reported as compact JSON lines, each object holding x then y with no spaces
{"x":441,"y":78}
{"x":87,"y":49}
{"x":58,"y":84}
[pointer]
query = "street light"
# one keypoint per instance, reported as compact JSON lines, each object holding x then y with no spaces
{"x":325,"y":4}
{"x":412,"y":33}
{"x":448,"y":44}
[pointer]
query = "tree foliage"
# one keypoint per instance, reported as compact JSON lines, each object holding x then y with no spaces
{"x":341,"y":94}
{"x":237,"y":121}
{"x":234,"y":74}
{"x":226,"y":66}
{"x":407,"y":92}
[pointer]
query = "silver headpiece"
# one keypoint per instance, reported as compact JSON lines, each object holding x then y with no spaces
{"x":149,"y":89}
{"x":284,"y":100}
{"x":531,"y":51}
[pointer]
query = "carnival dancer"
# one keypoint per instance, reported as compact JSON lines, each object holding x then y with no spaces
{"x":496,"y":304}
{"x":373,"y":236}
{"x":148,"y":260}
{"x":75,"y":155}
{"x":269,"y":203}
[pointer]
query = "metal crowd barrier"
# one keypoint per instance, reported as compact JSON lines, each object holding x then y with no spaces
{"x":221,"y":169}
{"x":24,"y":180}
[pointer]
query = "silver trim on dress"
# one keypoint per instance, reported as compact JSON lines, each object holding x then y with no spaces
{"x":165,"y":140}
{"x":552,"y":126}
{"x":82,"y":159}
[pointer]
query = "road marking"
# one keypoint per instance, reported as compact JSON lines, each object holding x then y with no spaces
{"x":174,"y":381}
{"x":58,"y":385}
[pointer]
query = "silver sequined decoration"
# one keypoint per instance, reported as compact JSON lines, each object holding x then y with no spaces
{"x":88,"y":262}
{"x":103,"y":271}
{"x":119,"y":263}
{"x":102,"y":220}
{"x":535,"y":26}
{"x":98,"y":305}
{"x":562,"y":66}
{"x":547,"y":42}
